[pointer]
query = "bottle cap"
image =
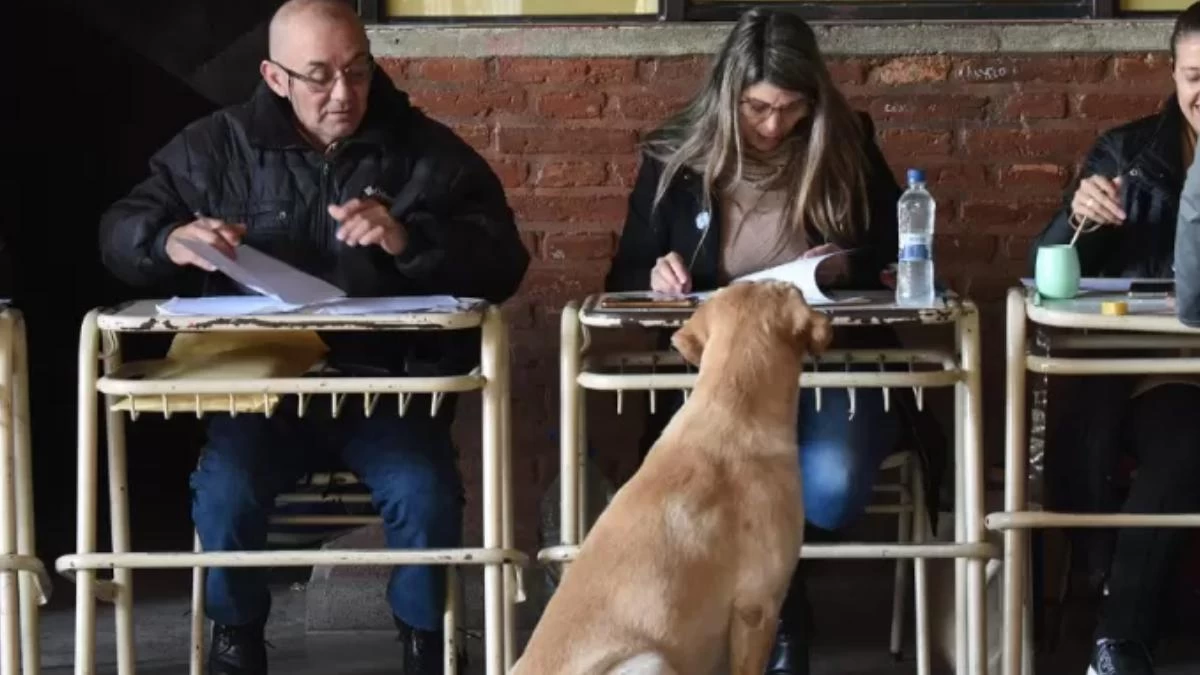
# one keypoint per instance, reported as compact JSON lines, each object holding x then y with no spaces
{"x":916,"y":176}
{"x":1116,"y":308}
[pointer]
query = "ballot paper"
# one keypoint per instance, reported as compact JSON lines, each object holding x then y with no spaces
{"x":803,"y":273}
{"x":250,"y":305}
{"x":266,"y":275}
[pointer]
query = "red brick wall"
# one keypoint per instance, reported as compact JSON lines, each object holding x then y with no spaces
{"x":999,"y":137}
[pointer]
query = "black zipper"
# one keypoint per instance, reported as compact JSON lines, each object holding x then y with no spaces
{"x":328,"y":226}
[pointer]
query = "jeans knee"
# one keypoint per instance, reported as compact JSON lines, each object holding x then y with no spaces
{"x":222,"y":497}
{"x":419,"y":495}
{"x":835,"y":487}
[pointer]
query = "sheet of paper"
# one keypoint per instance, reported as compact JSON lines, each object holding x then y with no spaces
{"x":248,"y":305}
{"x":225,"y":305}
{"x":262,"y":273}
{"x":392,"y":305}
{"x":803,"y":273}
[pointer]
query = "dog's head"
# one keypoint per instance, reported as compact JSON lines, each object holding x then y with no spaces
{"x":755,"y":316}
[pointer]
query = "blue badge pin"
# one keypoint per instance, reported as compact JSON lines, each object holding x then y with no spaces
{"x":702,"y":220}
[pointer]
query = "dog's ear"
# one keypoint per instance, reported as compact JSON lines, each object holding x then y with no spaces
{"x":812,"y":328}
{"x":689,"y":340}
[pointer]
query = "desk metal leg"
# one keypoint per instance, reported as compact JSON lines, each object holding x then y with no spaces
{"x":571,"y":424}
{"x":86,"y":488}
{"x":1015,"y":540}
{"x":31,"y":656}
{"x":961,"y":631}
{"x":511,"y":572}
{"x":10,"y":637}
{"x":972,"y":472}
{"x":118,"y":500}
{"x":196,"y":649}
{"x":493,"y":362}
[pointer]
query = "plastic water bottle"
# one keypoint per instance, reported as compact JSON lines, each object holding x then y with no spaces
{"x":914,"y":274}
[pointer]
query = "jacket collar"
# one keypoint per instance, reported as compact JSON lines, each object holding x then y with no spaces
{"x":271,"y":124}
{"x":1161,"y":157}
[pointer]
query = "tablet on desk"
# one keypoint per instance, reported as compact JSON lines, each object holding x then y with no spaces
{"x":1161,"y":287}
{"x":650,"y":301}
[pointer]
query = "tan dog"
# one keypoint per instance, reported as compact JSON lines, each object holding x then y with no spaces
{"x":685,"y":571}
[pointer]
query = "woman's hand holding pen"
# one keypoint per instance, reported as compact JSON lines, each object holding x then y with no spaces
{"x":1098,"y":201}
{"x":669,"y":275}
{"x":366,"y":222}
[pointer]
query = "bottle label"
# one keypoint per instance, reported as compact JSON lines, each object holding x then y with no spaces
{"x":913,"y":251}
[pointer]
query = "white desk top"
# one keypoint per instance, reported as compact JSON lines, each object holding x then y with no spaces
{"x":880,"y":309}
{"x":143,"y":316}
{"x":1146,"y":314}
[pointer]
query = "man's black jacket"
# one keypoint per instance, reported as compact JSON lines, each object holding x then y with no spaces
{"x":249,"y":164}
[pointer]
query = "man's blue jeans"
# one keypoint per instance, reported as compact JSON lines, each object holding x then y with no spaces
{"x":840,"y":456}
{"x":407,"y":462}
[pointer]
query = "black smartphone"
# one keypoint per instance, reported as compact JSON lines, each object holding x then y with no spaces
{"x":1151,"y":287}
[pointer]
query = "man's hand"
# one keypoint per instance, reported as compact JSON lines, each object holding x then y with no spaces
{"x":366,"y":222}
{"x":219,"y":234}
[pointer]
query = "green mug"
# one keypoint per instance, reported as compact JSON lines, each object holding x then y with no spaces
{"x":1056,"y":271}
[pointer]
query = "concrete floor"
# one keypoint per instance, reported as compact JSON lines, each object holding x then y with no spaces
{"x":851,"y":636}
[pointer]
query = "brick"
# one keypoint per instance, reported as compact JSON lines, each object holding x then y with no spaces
{"x":478,"y":136}
{"x":459,"y":103}
{"x":1042,"y":177}
{"x":1006,"y":217}
{"x":1117,"y":106}
{"x":1043,"y":105}
{"x":973,"y":248}
{"x":623,"y":172}
{"x":912,"y":70}
{"x":569,"y":209}
{"x":947,"y":177}
{"x":1148,"y":67}
{"x":907,"y":142}
{"x":448,"y":70}
{"x":566,"y":71}
{"x":860,"y":102}
{"x":927,"y":108}
{"x":848,"y":71}
{"x":511,"y":172}
{"x":578,"y":246}
{"x":530,"y":240}
{"x":681,"y":70}
{"x":652,"y":106}
{"x":572,"y":174}
{"x":1016,"y":248}
{"x":1031,"y":69}
{"x":575,"y":141}
{"x":517,"y":315}
{"x":1066,"y":144}
{"x":556,"y":284}
{"x":394,"y":68}
{"x":570,"y":104}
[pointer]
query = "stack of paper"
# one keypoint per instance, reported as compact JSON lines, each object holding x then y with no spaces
{"x":249,"y":305}
{"x":285,"y":289}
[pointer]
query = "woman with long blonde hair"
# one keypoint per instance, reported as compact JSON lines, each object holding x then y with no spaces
{"x":766,"y":164}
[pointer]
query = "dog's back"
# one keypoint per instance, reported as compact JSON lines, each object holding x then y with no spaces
{"x":701,"y":542}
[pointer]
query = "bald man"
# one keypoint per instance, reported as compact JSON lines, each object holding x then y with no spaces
{"x":329,"y":168}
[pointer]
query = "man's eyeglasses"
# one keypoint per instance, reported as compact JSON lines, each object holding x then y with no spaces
{"x":322,"y":79}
